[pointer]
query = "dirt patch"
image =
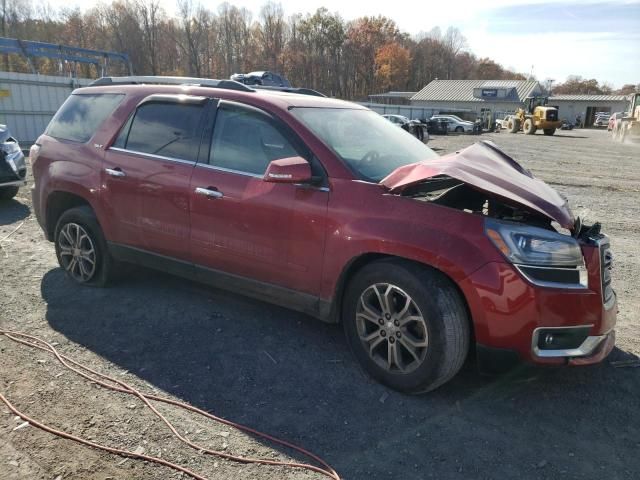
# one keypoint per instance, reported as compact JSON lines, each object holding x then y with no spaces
{"x":286,"y":374}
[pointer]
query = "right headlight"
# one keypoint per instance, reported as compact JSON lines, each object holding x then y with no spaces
{"x":527,"y":245}
{"x":544,"y":257}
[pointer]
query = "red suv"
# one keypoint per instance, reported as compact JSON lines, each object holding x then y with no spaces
{"x":325,"y":207}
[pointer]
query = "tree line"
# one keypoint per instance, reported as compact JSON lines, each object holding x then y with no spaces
{"x":320,"y":50}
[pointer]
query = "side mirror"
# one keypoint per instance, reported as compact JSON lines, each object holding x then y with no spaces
{"x":288,"y":170}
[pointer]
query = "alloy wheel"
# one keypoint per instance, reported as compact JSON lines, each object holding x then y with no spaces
{"x":391,"y":328}
{"x":77,"y":252}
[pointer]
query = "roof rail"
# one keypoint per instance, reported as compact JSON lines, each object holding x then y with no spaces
{"x":302,"y":91}
{"x":201,"y":82}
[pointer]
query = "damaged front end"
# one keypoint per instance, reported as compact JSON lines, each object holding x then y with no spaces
{"x":526,"y":219}
{"x":13,"y":168}
{"x":483,"y":179}
{"x":532,"y":226}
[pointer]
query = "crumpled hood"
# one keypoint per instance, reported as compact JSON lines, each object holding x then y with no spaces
{"x":487,"y":168}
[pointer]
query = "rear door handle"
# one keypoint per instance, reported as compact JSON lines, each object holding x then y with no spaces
{"x":115,"y":172}
{"x":210,"y":192}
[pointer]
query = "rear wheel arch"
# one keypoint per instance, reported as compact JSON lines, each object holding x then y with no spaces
{"x":57,"y":203}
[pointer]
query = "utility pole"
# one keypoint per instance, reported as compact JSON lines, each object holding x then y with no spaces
{"x":549,"y":85}
{"x":5,"y":57}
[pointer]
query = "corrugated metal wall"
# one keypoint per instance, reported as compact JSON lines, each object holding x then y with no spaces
{"x":28,"y":101}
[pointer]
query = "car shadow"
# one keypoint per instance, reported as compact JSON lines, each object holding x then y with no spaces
{"x":291,"y":376}
{"x":12,"y":211}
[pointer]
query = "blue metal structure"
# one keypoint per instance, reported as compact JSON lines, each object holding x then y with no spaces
{"x":29,"y":49}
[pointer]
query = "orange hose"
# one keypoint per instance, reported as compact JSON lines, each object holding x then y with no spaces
{"x":123,"y":387}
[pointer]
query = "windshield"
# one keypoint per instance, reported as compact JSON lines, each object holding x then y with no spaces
{"x":369,"y":144}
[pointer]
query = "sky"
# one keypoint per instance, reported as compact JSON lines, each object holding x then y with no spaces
{"x":552,"y":39}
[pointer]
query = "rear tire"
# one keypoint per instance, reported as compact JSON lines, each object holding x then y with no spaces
{"x":549,"y":131}
{"x":7,"y":193}
{"x":82,"y":249}
{"x":406,"y":324}
{"x":529,"y":128}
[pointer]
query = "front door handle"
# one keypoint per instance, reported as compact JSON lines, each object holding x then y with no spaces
{"x":209,"y":192}
{"x":115,"y":172}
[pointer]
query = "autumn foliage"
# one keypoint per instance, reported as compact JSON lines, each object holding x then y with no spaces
{"x":321,"y":50}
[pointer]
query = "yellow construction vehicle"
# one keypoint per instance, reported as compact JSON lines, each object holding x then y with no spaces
{"x":628,"y":127}
{"x":536,"y":115}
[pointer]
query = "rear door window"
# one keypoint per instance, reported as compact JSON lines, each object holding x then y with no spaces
{"x":166,"y":129}
{"x":80,"y":116}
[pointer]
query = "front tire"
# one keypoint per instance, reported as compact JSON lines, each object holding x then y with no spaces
{"x":513,"y":125}
{"x":529,"y":128}
{"x":82,"y":249}
{"x":459,"y":130}
{"x":7,"y":193}
{"x":406,"y":324}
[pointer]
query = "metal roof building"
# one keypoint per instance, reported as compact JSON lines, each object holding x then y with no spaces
{"x":477,"y":91}
{"x":500,"y":97}
{"x":587,"y":106}
{"x":475,"y":97}
{"x":392,"y":97}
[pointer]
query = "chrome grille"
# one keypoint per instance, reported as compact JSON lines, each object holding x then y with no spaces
{"x":606,"y":265}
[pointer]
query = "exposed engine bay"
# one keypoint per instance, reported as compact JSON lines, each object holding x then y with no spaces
{"x":453,"y":193}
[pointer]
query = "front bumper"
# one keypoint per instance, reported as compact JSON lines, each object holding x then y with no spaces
{"x":510,"y":313}
{"x":13,"y":169}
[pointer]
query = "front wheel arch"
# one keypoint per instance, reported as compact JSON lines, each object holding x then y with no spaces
{"x":359,"y":262}
{"x":447,"y":314}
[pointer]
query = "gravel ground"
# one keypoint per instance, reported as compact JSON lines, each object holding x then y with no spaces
{"x":285,"y":374}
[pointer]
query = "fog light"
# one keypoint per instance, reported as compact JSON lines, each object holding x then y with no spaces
{"x":561,"y":338}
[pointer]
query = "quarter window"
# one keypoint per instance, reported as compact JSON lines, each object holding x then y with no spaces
{"x":165,"y":129}
{"x":81,"y":115}
{"x":246,"y":140}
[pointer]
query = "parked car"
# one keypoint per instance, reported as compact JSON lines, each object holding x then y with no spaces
{"x":325,"y":207}
{"x":601,"y":120}
{"x":414,"y":127}
{"x":611,"y":125}
{"x":268,"y":79}
{"x":504,"y":122}
{"x":456,"y":124}
{"x":437,"y":127}
{"x":566,"y":125}
{"x":13,"y":168}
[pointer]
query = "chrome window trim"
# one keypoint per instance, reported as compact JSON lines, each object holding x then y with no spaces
{"x":152,"y":155}
{"x":540,"y":283}
{"x":255,"y":175}
{"x":586,"y":348}
{"x":229,"y":170}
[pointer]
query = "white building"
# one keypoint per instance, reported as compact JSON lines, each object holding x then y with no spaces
{"x":586,"y":106}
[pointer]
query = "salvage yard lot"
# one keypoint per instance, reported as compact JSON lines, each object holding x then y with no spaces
{"x":286,"y":374}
